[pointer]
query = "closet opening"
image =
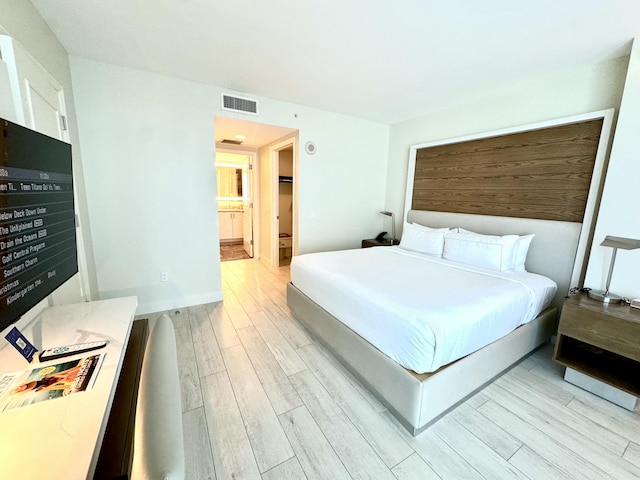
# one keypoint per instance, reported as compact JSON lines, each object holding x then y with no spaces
{"x":285,"y":205}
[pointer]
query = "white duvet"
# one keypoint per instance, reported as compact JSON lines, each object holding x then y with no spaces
{"x":421,"y":311}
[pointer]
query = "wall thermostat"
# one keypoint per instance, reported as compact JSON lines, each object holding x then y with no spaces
{"x":635,"y":303}
{"x":310,"y":148}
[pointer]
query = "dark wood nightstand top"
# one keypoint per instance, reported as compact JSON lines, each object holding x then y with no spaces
{"x":620,"y":310}
{"x":372,"y":242}
{"x":615,"y":328}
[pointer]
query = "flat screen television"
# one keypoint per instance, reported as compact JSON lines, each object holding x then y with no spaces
{"x":38,"y":250}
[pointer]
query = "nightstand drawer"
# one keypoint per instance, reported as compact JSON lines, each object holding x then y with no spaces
{"x":285,"y":242}
{"x":601,"y":329}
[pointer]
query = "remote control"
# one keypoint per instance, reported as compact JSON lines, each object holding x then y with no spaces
{"x":68,"y":350}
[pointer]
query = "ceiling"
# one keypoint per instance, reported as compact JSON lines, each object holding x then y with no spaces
{"x":256,"y":134}
{"x":380,"y":60}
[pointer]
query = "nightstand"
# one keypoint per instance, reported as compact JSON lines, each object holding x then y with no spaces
{"x":601,"y":341}
{"x":372,"y":242}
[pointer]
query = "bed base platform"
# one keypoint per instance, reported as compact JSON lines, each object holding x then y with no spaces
{"x":417,"y":400}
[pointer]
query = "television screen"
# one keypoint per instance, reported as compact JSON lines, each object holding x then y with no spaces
{"x":37,"y":219}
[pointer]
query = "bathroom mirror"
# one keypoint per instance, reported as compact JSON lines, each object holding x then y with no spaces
{"x":229,"y":183}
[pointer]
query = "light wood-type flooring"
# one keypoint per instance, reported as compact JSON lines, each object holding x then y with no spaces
{"x":262,"y":400}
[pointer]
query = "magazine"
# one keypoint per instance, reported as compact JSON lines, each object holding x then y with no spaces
{"x":48,"y":382}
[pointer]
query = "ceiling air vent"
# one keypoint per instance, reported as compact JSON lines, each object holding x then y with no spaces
{"x":239,"y":104}
{"x":228,"y":141}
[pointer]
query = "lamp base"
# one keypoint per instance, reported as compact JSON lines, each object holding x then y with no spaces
{"x":604,"y":297}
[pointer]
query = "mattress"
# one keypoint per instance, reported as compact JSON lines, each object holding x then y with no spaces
{"x":421,"y":311}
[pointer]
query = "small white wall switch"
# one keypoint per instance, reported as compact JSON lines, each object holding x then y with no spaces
{"x":164,"y":277}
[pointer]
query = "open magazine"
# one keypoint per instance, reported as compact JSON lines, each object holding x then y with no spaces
{"x":48,"y":382}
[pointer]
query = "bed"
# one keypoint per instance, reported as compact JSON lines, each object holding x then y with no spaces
{"x":419,"y":309}
{"x":417,"y":394}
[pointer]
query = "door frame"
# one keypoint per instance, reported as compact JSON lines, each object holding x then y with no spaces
{"x":254,"y":190}
{"x":274,"y":151}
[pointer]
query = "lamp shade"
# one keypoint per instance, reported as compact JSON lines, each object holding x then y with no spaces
{"x":620,"y":242}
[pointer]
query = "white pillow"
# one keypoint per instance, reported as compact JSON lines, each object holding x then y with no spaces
{"x":419,"y":238}
{"x":520,"y":249}
{"x":488,"y":251}
{"x":520,"y":252}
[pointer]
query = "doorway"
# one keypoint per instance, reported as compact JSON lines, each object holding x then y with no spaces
{"x":285,"y":199}
{"x":235,"y":203}
{"x":262,"y":140}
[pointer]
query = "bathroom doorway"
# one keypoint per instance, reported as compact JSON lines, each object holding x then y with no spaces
{"x":235,"y":203}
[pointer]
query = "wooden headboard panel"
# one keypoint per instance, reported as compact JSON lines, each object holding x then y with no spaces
{"x":549,"y":171}
{"x":542,"y":173}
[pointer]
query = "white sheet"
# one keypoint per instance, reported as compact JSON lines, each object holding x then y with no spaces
{"x":421,"y":311}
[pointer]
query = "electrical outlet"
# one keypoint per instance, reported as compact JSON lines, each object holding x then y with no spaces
{"x":164,"y":277}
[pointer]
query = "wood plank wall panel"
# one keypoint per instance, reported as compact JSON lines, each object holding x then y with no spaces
{"x":542,"y":174}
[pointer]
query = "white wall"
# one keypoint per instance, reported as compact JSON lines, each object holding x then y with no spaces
{"x":341,"y":187}
{"x":150,"y":177}
{"x":618,"y":215}
{"x":148,"y":143}
{"x":565,"y":94}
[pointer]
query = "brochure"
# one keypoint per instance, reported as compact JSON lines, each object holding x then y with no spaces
{"x":48,"y":382}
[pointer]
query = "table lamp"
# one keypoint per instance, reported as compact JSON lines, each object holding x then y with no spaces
{"x":616,"y":243}
{"x":393,"y":225}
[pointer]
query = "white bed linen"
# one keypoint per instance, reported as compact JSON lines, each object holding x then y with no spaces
{"x":422,"y":311}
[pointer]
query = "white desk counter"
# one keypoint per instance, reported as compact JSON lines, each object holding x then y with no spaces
{"x":61,"y":438}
